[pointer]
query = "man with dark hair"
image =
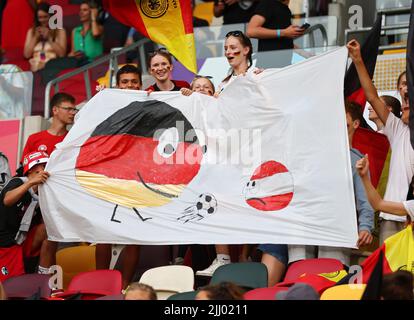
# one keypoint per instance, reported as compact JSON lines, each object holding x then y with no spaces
{"x":129,"y":77}
{"x":63,"y":114}
{"x":397,"y":286}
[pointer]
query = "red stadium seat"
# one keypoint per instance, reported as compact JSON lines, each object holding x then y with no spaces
{"x":76,"y":86}
{"x":99,"y":281}
{"x":17,"y":19}
{"x":264,"y":293}
{"x":312,"y":266}
{"x":27,"y":285}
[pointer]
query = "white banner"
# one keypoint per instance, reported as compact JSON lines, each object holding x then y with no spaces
{"x":266,"y":162}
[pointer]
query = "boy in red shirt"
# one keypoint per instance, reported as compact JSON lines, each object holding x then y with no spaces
{"x":63,"y":113}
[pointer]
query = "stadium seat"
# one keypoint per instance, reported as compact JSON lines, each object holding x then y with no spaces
{"x":312,"y":266}
{"x":100,"y":282}
{"x":189,"y":295}
{"x":344,"y":292}
{"x":76,"y":85}
{"x":169,"y":280}
{"x":27,"y":285}
{"x":250,"y":275}
{"x":263,"y":293}
{"x":74,"y":260}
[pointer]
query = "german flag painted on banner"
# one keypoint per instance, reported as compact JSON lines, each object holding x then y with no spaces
{"x":167,"y":22}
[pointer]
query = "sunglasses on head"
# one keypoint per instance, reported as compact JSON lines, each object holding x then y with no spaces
{"x":155,"y":52}
{"x":198,"y":76}
{"x":236,"y":33}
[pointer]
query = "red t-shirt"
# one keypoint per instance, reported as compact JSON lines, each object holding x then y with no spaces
{"x":42,"y":141}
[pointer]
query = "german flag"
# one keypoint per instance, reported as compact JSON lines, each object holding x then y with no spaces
{"x":167,"y":22}
{"x":369,"y":51}
{"x":368,"y":142}
{"x":398,"y":254}
{"x":377,"y":147}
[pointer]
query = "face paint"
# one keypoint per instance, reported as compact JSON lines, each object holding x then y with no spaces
{"x":139,"y":157}
{"x":270,"y":188}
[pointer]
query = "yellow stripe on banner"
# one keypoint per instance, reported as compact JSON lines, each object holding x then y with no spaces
{"x":164,"y":25}
{"x":127,"y":193}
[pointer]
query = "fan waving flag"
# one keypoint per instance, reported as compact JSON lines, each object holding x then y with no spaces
{"x":369,"y":51}
{"x":363,"y":139}
{"x":166,"y":22}
{"x":410,"y":73}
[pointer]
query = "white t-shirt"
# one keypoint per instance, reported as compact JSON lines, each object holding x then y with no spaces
{"x":409,"y":206}
{"x":401,"y":163}
{"x":223,"y":85}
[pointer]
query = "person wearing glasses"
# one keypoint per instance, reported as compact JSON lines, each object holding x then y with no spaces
{"x":160,"y":66}
{"x":63,"y":114}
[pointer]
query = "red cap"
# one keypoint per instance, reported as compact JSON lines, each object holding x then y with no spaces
{"x":33,"y":158}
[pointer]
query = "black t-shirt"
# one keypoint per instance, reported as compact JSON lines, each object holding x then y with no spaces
{"x":236,"y":14}
{"x":178,"y":84}
{"x":10,"y":217}
{"x":278,"y":16}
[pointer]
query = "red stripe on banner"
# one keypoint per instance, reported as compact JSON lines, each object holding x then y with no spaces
{"x":123,"y":156}
{"x":126,"y":12}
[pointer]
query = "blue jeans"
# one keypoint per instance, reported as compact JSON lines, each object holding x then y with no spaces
{"x":279,"y":251}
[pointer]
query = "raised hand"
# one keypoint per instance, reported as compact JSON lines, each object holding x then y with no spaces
{"x":354,"y":49}
{"x":362,"y":166}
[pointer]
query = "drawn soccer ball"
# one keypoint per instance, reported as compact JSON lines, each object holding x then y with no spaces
{"x":4,"y":271}
{"x":207,"y":202}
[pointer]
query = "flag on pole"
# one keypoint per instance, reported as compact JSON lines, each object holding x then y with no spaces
{"x":377,"y":147}
{"x":369,"y":51}
{"x":398,"y":254}
{"x":410,"y":73}
{"x":166,"y":22}
{"x":364,"y":139}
